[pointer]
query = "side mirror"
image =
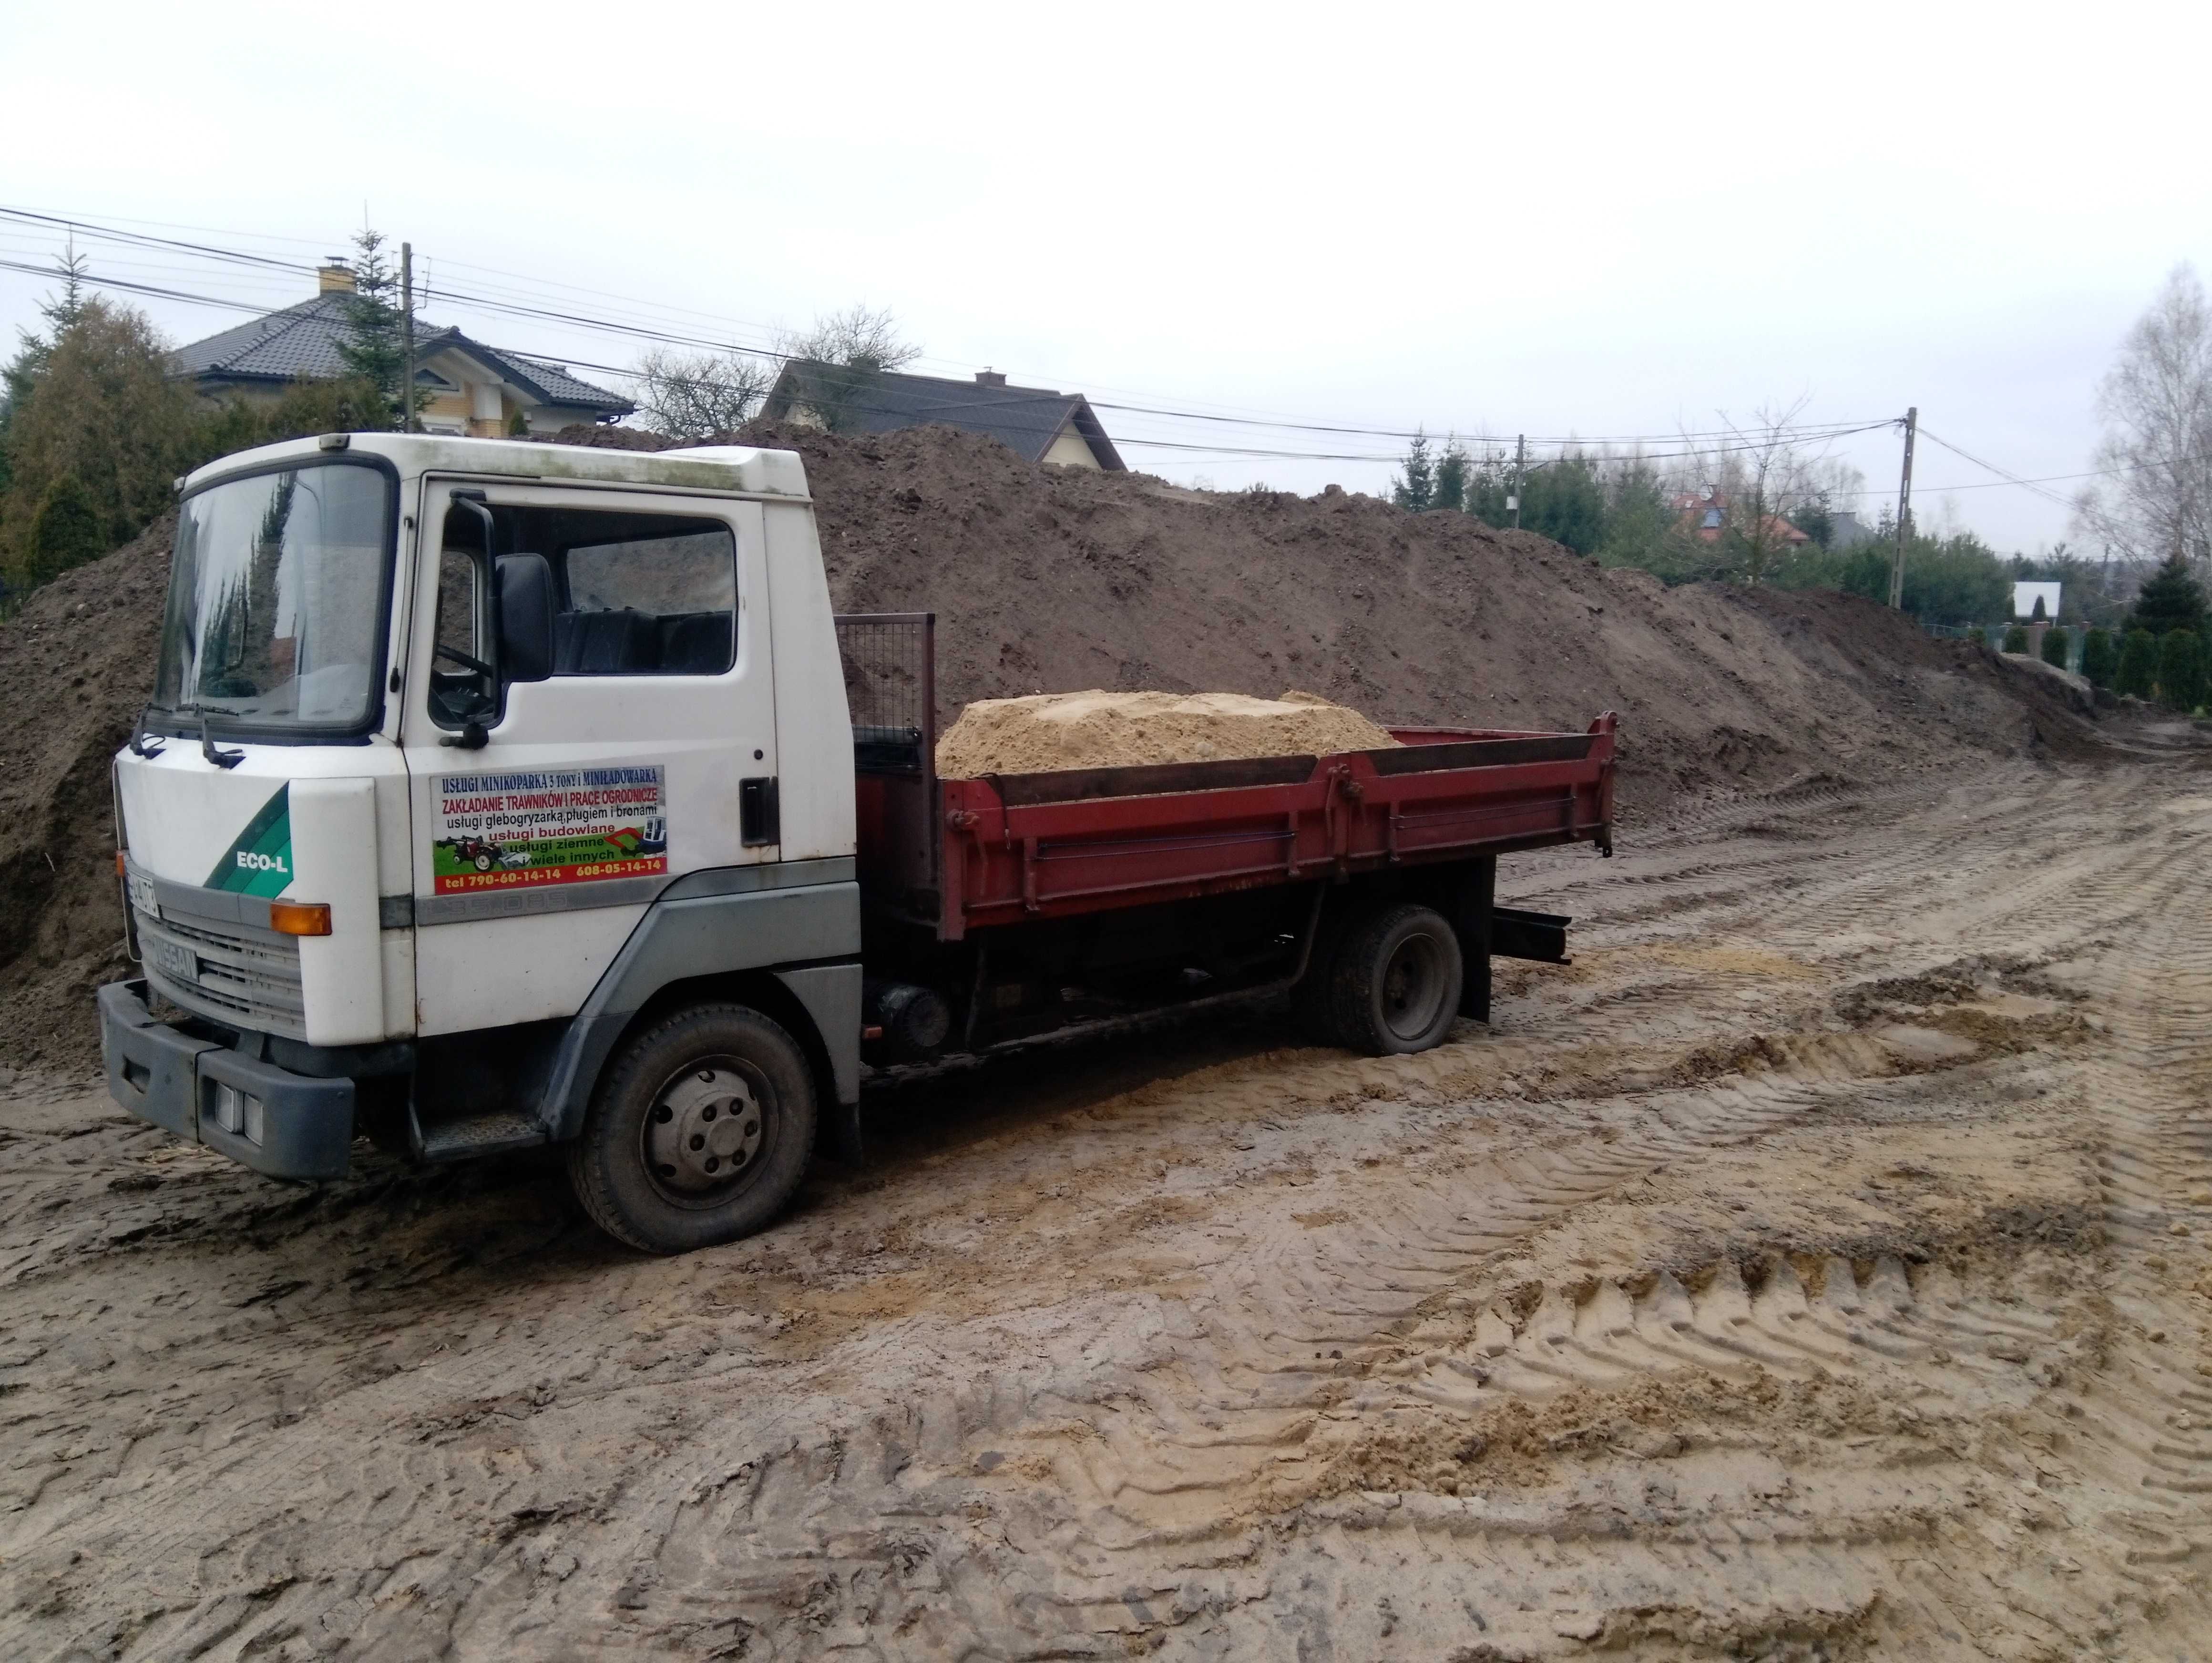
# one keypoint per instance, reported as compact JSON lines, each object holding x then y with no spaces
{"x":526,"y":617}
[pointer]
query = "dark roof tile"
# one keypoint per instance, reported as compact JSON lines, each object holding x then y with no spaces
{"x":303,"y":341}
{"x":1025,"y":419}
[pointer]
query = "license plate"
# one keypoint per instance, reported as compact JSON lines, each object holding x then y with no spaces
{"x":173,"y":959}
{"x":142,"y":895}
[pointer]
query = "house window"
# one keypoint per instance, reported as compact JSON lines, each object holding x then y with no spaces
{"x":1712,"y":519}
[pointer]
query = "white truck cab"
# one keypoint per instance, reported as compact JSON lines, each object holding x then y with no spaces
{"x":465,"y":755}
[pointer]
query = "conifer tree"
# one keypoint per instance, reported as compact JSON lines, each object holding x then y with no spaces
{"x":2056,"y":646}
{"x":1415,"y":490}
{"x":2138,"y":671}
{"x":66,"y":531}
{"x":2100,"y":658}
{"x":2181,"y":670}
{"x":1455,"y":472}
{"x":2170,"y":599}
{"x":23,"y":371}
{"x":375,"y":349}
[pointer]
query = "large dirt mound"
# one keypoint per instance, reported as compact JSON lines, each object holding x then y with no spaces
{"x":76,"y":666}
{"x":1048,"y":580}
{"x":1098,"y":729}
{"x":1051,"y":580}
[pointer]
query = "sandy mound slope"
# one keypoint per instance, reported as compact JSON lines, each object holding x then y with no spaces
{"x":1099,"y":729}
{"x":1055,"y":580}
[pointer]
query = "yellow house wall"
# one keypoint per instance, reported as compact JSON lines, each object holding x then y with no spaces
{"x":1071,"y":450}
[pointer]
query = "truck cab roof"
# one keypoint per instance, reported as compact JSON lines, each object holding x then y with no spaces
{"x":741,"y":470}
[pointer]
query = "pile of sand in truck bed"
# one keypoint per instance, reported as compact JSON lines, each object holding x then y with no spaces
{"x":1045,"y":732}
{"x":1049,"y":580}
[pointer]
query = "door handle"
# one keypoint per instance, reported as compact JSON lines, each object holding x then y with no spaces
{"x":757,"y":813}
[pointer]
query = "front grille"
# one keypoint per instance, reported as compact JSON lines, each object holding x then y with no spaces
{"x":246,"y":978}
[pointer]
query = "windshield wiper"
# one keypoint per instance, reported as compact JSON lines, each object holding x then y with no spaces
{"x":215,"y":753}
{"x":139,"y":747}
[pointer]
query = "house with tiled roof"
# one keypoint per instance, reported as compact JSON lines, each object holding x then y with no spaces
{"x":466,"y":386}
{"x":1036,"y":423}
{"x":1704,"y":514}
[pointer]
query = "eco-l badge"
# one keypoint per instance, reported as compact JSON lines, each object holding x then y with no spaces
{"x":260,"y":861}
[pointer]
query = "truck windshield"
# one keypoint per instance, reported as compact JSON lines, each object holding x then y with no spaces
{"x":275,"y":616}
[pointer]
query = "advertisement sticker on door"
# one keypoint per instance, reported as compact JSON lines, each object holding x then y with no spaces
{"x":564,"y":826}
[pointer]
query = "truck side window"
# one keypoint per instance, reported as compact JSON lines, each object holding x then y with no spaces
{"x":460,"y":694}
{"x":661,"y":603}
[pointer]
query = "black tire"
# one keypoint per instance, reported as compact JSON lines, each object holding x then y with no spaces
{"x":1395,"y":981}
{"x":699,"y":1133}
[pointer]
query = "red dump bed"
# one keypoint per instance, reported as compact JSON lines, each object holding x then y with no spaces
{"x":1046,"y":845}
{"x":965,"y":854}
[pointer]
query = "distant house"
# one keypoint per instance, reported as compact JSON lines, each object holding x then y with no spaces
{"x":1703,"y":515}
{"x":471,"y":388}
{"x":1037,"y":424}
{"x":1847,"y":531}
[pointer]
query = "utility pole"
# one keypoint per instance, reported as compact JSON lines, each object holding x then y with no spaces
{"x":1903,"y":512}
{"x":1520,"y":460}
{"x":407,"y":335}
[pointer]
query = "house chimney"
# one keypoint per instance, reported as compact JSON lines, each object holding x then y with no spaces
{"x":989,"y":378}
{"x":334,"y":276}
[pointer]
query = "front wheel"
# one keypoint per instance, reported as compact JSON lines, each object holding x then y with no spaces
{"x":1395,"y":982}
{"x":699,"y":1133}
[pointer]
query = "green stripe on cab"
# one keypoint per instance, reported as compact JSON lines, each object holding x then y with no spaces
{"x":260,"y":861}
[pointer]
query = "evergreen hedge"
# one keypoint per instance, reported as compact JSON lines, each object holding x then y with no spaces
{"x":2138,"y":668}
{"x":2100,"y":658}
{"x":2057,"y":645}
{"x":2181,"y":670}
{"x":2017,"y":638}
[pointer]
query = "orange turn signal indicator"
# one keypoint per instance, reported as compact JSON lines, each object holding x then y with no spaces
{"x":120,"y":870}
{"x":299,"y":917}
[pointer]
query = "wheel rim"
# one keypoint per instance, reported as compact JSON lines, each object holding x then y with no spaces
{"x":705,"y":1134}
{"x":1412,"y":986}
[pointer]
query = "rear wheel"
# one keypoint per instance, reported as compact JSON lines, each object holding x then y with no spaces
{"x":699,"y":1133}
{"x":1394,"y":980}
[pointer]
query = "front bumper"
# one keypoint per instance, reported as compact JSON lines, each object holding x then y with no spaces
{"x":277,"y":1122}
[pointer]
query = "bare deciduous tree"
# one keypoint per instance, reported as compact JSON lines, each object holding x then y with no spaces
{"x":1759,"y":478}
{"x":699,"y":395}
{"x":832,"y":363}
{"x":2156,"y":406}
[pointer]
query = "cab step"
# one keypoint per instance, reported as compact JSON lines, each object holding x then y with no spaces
{"x":475,"y":1135}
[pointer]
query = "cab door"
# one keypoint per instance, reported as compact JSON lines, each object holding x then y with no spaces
{"x":647,"y":753}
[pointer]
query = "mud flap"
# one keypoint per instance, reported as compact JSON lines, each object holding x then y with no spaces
{"x":837,"y":1134}
{"x":832,"y":995}
{"x":1473,"y":912}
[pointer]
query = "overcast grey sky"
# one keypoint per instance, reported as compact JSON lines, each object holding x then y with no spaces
{"x":1595,"y":220}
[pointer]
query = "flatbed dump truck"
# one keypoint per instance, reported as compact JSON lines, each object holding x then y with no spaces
{"x":496,"y":795}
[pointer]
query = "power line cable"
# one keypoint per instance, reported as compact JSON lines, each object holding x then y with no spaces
{"x":2004,"y":478}
{"x":1809,"y":432}
{"x":2008,"y":477}
{"x":164,"y":292}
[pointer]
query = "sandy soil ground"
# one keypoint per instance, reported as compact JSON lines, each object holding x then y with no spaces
{"x":1816,"y":1268}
